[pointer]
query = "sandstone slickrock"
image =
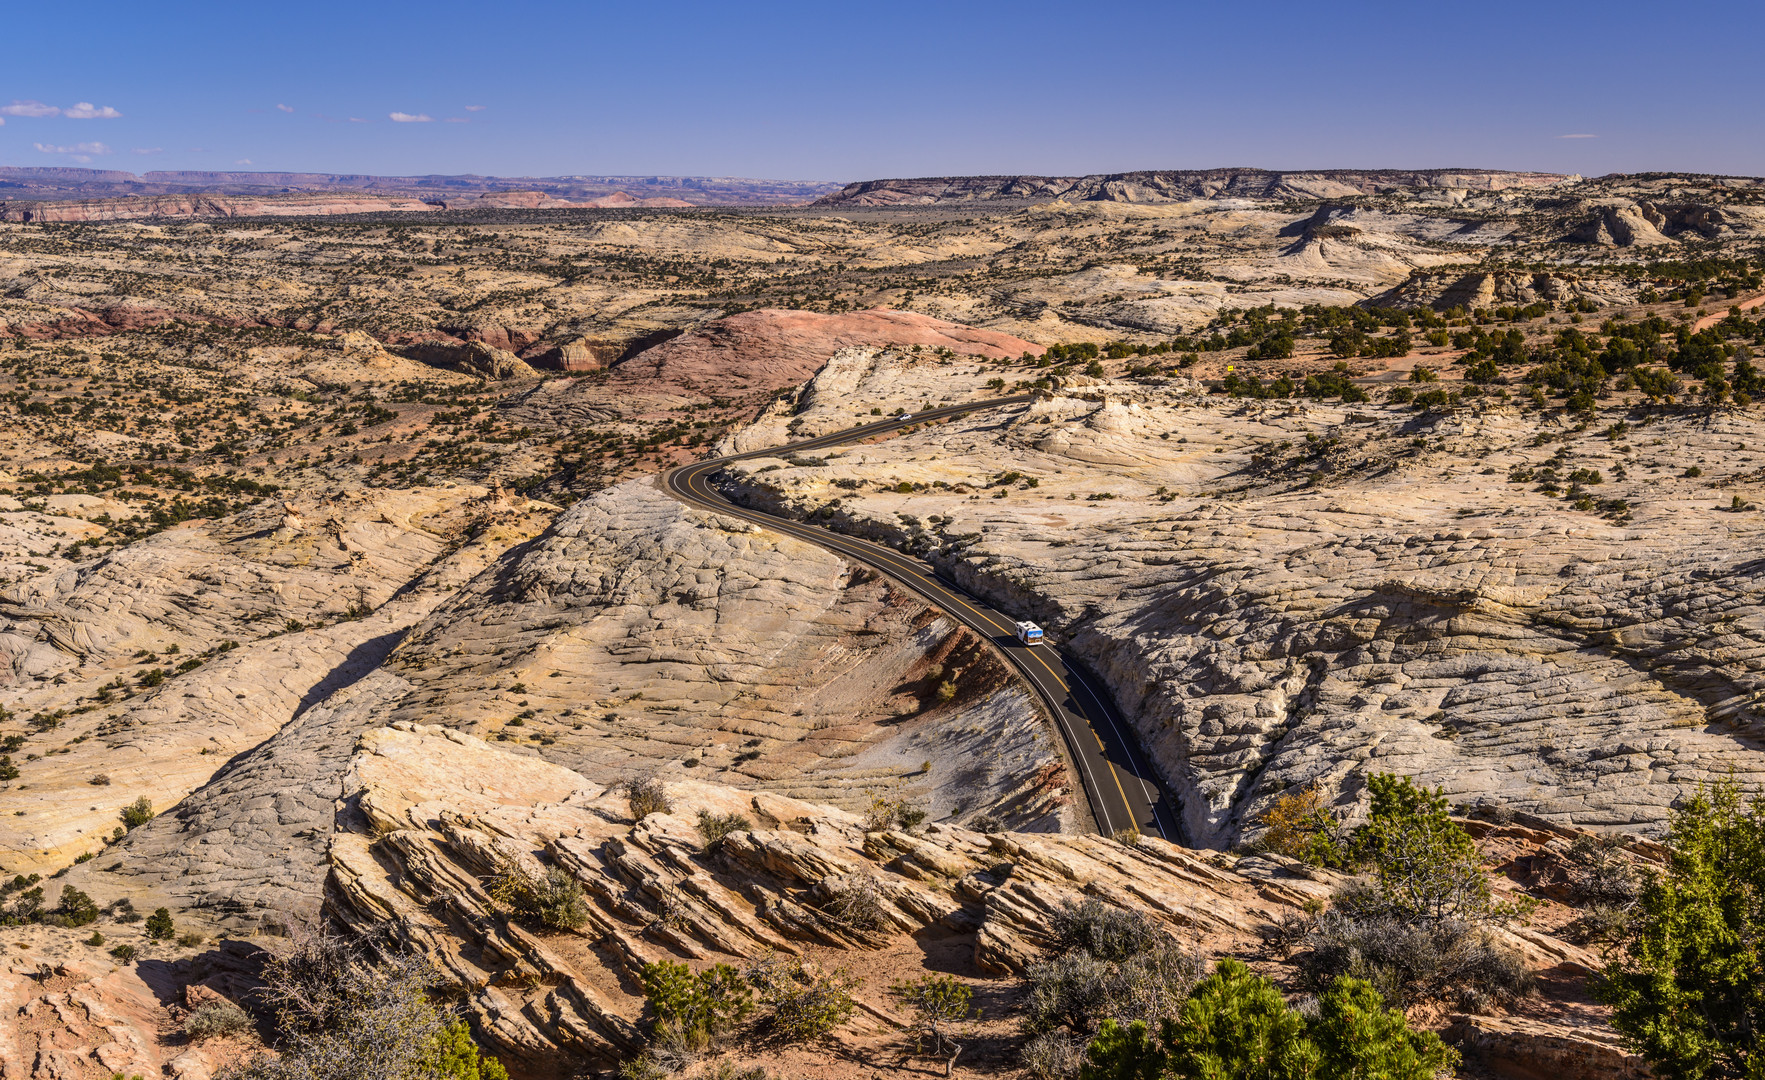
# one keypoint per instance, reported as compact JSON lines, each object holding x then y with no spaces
{"x":1405,"y":611}
{"x":248,"y":621}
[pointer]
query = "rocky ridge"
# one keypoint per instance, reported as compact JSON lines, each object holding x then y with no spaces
{"x":1155,"y":186}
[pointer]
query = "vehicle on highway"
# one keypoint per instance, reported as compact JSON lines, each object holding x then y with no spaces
{"x":1029,"y":633}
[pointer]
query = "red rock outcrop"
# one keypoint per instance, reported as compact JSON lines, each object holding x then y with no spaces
{"x":770,"y":349}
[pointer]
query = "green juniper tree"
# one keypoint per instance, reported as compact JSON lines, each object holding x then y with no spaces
{"x":1688,"y":989}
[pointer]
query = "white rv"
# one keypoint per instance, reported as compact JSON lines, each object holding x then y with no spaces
{"x":1029,"y":633}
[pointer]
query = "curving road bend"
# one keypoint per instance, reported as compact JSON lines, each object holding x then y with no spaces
{"x":1120,"y":785}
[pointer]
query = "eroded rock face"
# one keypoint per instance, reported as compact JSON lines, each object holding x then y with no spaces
{"x":432,"y":818}
{"x":1475,"y":292}
{"x":433,"y":813}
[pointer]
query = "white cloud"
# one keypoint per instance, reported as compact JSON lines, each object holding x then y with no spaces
{"x":1577,"y":136}
{"x":458,"y":120}
{"x":2,"y":121}
{"x":359,"y":120}
{"x":85,"y":110}
{"x":411,"y":118}
{"x":148,"y":150}
{"x":243,"y":161}
{"x":285,"y":108}
{"x":475,"y":108}
{"x":81,"y":152}
{"x":29,"y":108}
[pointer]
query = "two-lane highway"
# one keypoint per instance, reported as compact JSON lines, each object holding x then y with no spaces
{"x":1119,"y":783}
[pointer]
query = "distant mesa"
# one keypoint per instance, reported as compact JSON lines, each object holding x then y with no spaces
{"x":70,"y":194}
{"x":1165,"y":186}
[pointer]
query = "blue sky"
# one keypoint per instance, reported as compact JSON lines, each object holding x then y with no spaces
{"x":833,"y":91}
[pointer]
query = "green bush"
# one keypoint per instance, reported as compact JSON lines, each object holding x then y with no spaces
{"x":159,"y":925}
{"x":216,"y":1020}
{"x":553,"y":900}
{"x":1687,"y":988}
{"x":125,"y":953}
{"x":1236,"y":1025}
{"x":138,"y":813}
{"x":698,"y":1007}
{"x":713,"y":828}
{"x":452,"y":1055}
{"x":1425,"y":866}
{"x":75,"y":909}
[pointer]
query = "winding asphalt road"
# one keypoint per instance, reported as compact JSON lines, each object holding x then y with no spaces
{"x":1120,"y":785}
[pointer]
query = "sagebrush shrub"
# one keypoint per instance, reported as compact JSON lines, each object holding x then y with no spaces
{"x":714,"y":828}
{"x":553,"y":900}
{"x":216,"y":1020}
{"x":1454,"y":962}
{"x":857,"y":902}
{"x":647,"y":795}
{"x":1104,"y":931}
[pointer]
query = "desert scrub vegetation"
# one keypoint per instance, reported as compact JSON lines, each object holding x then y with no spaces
{"x":1237,"y":1024}
{"x":1420,"y":930}
{"x":344,"y":1011}
{"x":552,"y":899}
{"x":939,"y":1003}
{"x":693,"y":1008}
{"x":805,"y":1002}
{"x":1106,"y":964}
{"x":137,"y":813}
{"x":646,"y":795}
{"x":855,"y":902}
{"x":892,"y":811}
{"x":715,"y":828}
{"x":26,"y":904}
{"x":772,"y":1000}
{"x":217,"y":1020}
